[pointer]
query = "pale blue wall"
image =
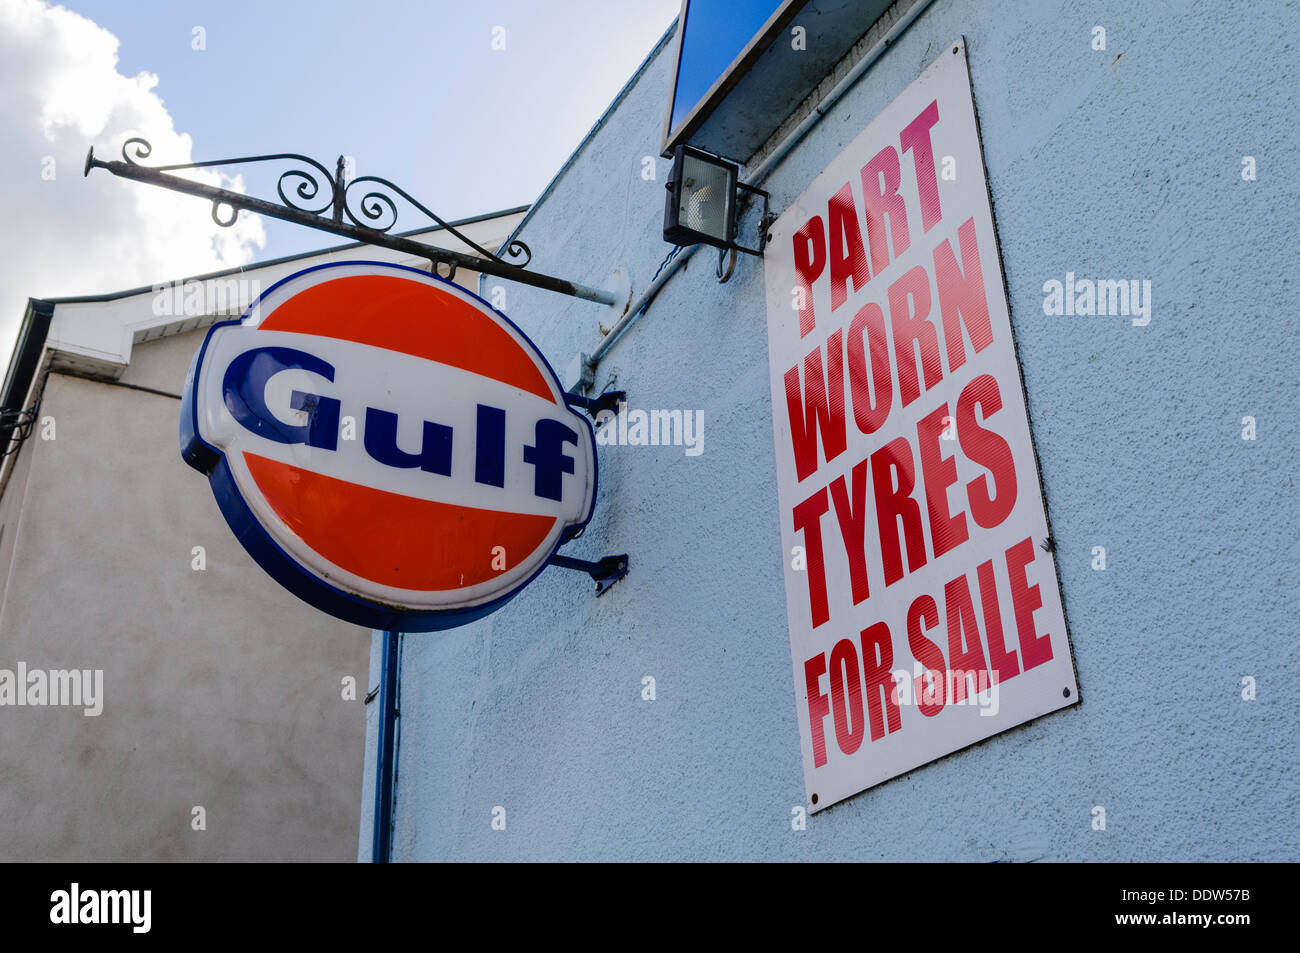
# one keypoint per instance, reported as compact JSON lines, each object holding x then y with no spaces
{"x":1105,"y":165}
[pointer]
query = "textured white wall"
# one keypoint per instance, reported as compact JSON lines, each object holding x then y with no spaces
{"x":1108,"y":165}
{"x":220,"y":689}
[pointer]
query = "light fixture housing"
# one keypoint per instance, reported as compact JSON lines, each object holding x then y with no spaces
{"x":701,"y":205}
{"x":702,"y":198}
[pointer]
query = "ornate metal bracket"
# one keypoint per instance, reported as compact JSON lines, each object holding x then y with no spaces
{"x":318,"y":199}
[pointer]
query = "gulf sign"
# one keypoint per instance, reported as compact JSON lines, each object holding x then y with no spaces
{"x":921,"y":586}
{"x":387,"y":446}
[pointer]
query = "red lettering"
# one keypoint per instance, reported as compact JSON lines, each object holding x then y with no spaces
{"x":988,"y":450}
{"x":1034,"y":649}
{"x":962,"y":296}
{"x":939,"y":473}
{"x":848,"y":257}
{"x":850,"y":728}
{"x":809,"y":260}
{"x":916,"y":136}
{"x":913,"y":329}
{"x":924,"y":612}
{"x":965,"y":652}
{"x":881,"y":202}
{"x":1004,"y":663}
{"x":869,"y":325}
{"x":808,"y":520}
{"x":853,"y":527}
{"x":895,"y":503}
{"x":821,"y":407}
{"x":819,"y":707}
{"x":877,"y":662}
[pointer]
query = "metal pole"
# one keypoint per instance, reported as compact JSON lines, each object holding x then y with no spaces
{"x":641,"y":303}
{"x":385,"y":748}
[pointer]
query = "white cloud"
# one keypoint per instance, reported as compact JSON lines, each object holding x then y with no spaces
{"x":60,"y":92}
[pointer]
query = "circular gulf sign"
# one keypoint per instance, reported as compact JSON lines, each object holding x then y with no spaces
{"x":387,"y":446}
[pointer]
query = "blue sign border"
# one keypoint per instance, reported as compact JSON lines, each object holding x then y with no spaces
{"x":282,"y":567}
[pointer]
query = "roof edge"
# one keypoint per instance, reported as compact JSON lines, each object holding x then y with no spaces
{"x":599,"y":124}
{"x":26,"y":355}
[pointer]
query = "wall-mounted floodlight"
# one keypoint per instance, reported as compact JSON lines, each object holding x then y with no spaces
{"x":701,"y":205}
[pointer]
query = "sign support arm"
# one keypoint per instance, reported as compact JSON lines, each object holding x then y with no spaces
{"x":373,"y":205}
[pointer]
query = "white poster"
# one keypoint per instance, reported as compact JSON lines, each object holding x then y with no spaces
{"x":921,"y":585}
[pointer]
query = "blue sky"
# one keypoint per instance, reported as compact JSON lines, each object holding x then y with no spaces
{"x":413,"y":90}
